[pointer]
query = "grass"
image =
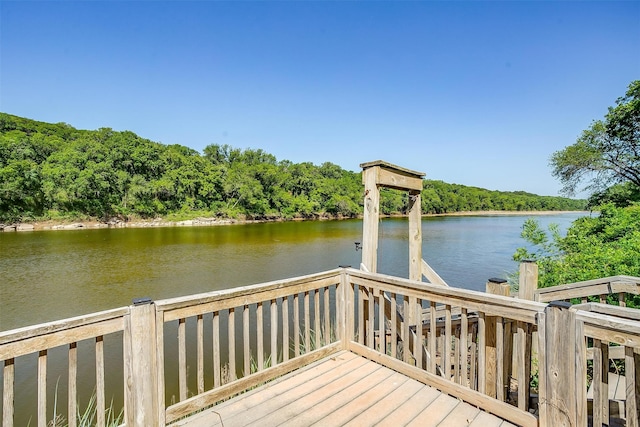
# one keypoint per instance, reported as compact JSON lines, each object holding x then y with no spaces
{"x":87,"y":418}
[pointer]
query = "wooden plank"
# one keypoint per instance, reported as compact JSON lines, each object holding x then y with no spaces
{"x":260,"y":336}
{"x":72,"y":392}
{"x":405,"y":390}
{"x":482,"y":354}
{"x":251,"y":294}
{"x":100,"y":397}
{"x":8,"y":375}
{"x":432,"y":337}
{"x":632,"y":408}
{"x":42,"y":388}
{"x":41,"y":340}
{"x":246,"y":341}
{"x":217,"y":376}
{"x":410,"y":408}
{"x":431,"y":275}
{"x":283,"y":393}
{"x":464,"y":347}
{"x":65,"y":326}
{"x":484,"y":419}
{"x":182,"y":359}
{"x":472,"y":300}
{"x":499,"y":363}
{"x":354,"y":404}
{"x":370,"y":322}
{"x":207,"y":398}
{"x":398,"y":180}
{"x":307,"y":324}
{"x":318,"y":405}
{"x":394,"y":325}
{"x":600,"y":382}
{"x":361,"y":322}
{"x":370,"y":219}
{"x":472,"y":397}
{"x":274,"y":332}
{"x":231,"y":340}
{"x":438,"y":411}
{"x":382,"y":334}
{"x":316,"y":318}
{"x":415,"y":235}
{"x":296,"y":325}
{"x":200,"y":352}
{"x":446,"y":350}
{"x":285,"y":329}
{"x":327,"y":315}
{"x":406,"y":333}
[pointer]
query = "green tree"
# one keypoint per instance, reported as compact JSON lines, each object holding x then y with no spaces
{"x":606,"y":153}
{"x":604,"y":245}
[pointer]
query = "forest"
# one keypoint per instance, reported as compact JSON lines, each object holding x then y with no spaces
{"x":54,"y":171}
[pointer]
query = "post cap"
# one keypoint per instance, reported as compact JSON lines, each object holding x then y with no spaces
{"x":142,"y":301}
{"x":496,"y":280}
{"x":560,"y":304}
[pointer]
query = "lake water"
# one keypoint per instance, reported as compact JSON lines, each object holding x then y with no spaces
{"x":50,"y":275}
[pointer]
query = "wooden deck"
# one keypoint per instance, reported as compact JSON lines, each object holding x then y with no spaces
{"x":343,"y":389}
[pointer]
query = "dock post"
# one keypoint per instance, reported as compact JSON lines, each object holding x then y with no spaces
{"x":144,"y":385}
{"x":562,"y":377}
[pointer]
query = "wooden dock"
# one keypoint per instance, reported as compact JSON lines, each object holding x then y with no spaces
{"x":343,"y":390}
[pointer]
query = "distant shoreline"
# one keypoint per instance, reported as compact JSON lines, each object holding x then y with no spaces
{"x":54,"y":225}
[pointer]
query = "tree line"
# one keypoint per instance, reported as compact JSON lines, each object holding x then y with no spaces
{"x":54,"y":171}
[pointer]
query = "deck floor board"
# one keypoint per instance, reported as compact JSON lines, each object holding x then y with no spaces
{"x":342,"y":390}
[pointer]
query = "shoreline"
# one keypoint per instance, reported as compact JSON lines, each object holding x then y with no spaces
{"x":54,"y":225}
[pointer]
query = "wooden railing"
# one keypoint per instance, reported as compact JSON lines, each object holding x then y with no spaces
{"x":601,"y":288}
{"x":257,"y":333}
{"x":19,"y":347}
{"x":450,"y":338}
{"x":183,"y":354}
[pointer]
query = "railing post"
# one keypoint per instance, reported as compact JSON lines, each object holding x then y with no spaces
{"x":495,"y":287}
{"x":342,"y":308}
{"x":144,"y":402}
{"x":528,"y":281}
{"x":562,"y":373}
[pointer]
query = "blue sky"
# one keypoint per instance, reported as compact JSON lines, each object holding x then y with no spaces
{"x":475,"y":93}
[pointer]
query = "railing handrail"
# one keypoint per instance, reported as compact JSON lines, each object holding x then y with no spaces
{"x":587,"y":288}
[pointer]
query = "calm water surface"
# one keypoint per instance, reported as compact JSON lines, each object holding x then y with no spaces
{"x":50,"y":275}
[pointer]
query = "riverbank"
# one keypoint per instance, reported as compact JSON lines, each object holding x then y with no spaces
{"x":208,"y":222}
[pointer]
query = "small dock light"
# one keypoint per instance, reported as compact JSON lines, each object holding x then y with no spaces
{"x":358,"y":246}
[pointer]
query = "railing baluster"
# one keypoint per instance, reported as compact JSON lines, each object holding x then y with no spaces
{"x":285,"y":329}
{"x":100,"y":398}
{"x":446,"y":348}
{"x":182,"y":359}
{"x":200,"y":352}
{"x":217,"y":381}
{"x":631,"y":373}
{"x":274,"y":332}
{"x":72,"y":404}
{"x":8,"y":374}
{"x":327,"y":316}
{"x":370,"y":319}
{"x":622,"y":299}
{"x":524,"y":364}
{"x":473,"y":370}
{"x":482,"y":353}
{"x":307,"y":324}
{"x":231,"y":334}
{"x":433,"y":336}
{"x":42,"y":388}
{"x":260,"y":336}
{"x":417,"y":321}
{"x":600,"y":382}
{"x":246,"y":341}
{"x":316,"y":317}
{"x":394,"y":326}
{"x":381,"y":324}
{"x":464,"y":345}
{"x":406,"y":333}
{"x":296,"y":325}
{"x":500,"y":383}
{"x":361,"y":315}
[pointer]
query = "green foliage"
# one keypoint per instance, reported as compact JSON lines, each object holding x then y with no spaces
{"x":608,"y":152}
{"x":594,"y":247}
{"x":53,"y":171}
